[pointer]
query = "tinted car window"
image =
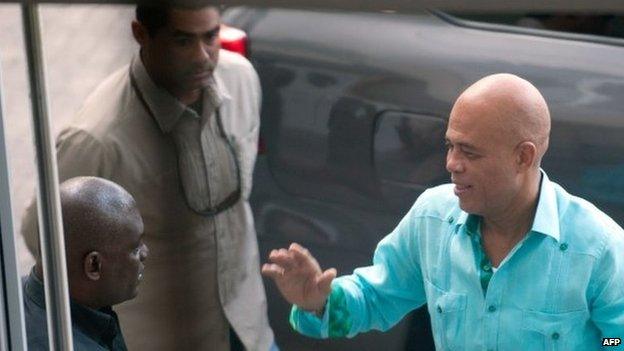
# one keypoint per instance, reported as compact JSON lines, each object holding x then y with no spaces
{"x":607,"y":25}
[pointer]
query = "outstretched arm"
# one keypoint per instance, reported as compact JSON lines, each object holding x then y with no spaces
{"x":373,"y":297}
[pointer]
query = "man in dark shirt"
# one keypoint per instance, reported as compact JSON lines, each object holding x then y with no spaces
{"x":105,"y":253}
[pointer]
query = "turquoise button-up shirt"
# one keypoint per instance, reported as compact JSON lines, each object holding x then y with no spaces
{"x":560,"y":288}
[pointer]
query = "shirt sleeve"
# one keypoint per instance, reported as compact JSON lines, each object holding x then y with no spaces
{"x":248,"y":141}
{"x":607,"y":303}
{"x":373,"y":297}
{"x":78,"y":154}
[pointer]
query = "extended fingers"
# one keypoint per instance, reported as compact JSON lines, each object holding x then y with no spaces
{"x":283,"y":258}
{"x":303,"y":257}
{"x":294,"y":259}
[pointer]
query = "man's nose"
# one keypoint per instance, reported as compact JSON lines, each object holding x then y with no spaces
{"x":454,"y":164}
{"x":203,"y":51}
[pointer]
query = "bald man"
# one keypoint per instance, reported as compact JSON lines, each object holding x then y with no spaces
{"x":504,"y":258}
{"x":105,"y":253}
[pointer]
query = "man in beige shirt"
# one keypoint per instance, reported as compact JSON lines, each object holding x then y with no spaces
{"x":178,"y":129}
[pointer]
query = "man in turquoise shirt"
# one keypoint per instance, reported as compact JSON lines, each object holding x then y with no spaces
{"x":504,"y":258}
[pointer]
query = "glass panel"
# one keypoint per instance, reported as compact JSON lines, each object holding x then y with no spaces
{"x":82,"y":44}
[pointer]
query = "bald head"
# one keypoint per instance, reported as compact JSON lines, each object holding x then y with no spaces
{"x":103,"y":241}
{"x":511,"y":105}
{"x":95,"y":213}
{"x":104,"y":246}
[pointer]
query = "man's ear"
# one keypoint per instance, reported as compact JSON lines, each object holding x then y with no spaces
{"x":140,"y":33}
{"x":526,"y":155}
{"x":92,"y":265}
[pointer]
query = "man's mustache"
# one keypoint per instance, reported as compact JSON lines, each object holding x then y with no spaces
{"x":208,"y":67}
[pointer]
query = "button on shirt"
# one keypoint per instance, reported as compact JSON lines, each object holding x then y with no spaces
{"x":560,"y":288}
{"x":92,"y":330}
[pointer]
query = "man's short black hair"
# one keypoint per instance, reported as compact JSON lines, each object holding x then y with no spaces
{"x":154,"y":14}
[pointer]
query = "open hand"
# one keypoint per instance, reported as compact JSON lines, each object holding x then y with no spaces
{"x":299,"y":277}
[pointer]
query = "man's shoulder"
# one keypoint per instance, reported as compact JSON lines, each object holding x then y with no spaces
{"x":439,"y":201}
{"x":233,"y":68}
{"x":105,"y":102}
{"x":110,"y":111}
{"x":230,"y":61}
{"x":583,"y":223}
{"x":35,"y":322}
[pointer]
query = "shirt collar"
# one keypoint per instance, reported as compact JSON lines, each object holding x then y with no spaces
{"x":463,"y":217}
{"x":546,"y":220}
{"x":166,"y":109}
{"x":100,"y":325}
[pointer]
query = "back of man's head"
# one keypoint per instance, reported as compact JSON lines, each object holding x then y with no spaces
{"x":103,"y":241}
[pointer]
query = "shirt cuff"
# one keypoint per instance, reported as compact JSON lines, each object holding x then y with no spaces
{"x":335,"y":322}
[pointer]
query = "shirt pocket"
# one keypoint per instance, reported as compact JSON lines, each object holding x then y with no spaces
{"x":448,"y":311}
{"x":551,"y":331}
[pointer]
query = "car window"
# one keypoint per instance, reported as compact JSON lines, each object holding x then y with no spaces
{"x":606,"y":25}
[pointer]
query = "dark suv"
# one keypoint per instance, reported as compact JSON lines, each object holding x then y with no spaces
{"x":355,"y":107}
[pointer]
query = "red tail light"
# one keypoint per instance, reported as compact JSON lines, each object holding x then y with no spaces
{"x":233,"y":39}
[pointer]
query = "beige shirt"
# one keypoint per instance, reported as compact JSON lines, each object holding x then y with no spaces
{"x":203,"y":272}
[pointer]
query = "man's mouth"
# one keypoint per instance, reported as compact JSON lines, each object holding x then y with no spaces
{"x":461,"y":189}
{"x":201,"y":74}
